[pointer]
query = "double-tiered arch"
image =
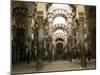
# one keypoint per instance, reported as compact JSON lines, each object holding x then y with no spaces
{"x":59,"y":15}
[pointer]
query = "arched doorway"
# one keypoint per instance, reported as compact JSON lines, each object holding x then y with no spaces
{"x":59,"y":51}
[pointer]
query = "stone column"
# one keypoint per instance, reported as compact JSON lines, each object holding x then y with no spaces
{"x":50,"y":22}
{"x":83,"y":50}
{"x":40,"y":47}
{"x":70,"y":49}
{"x":52,"y":52}
{"x":40,"y":41}
{"x":82,"y":20}
{"x":29,"y":35}
{"x":50,"y":41}
{"x":45,"y":44}
{"x":36,"y":38}
{"x":66,"y":50}
{"x":70,"y":41}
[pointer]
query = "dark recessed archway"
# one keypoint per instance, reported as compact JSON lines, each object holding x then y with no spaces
{"x":59,"y":28}
{"x":59,"y":51}
{"x":59,"y":39}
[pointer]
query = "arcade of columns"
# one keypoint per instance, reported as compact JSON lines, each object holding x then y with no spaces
{"x":48,"y":28}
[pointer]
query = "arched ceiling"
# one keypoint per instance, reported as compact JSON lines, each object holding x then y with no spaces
{"x":59,"y":20}
{"x":59,"y":15}
{"x":59,"y":34}
{"x":66,"y":7}
{"x":59,"y":26}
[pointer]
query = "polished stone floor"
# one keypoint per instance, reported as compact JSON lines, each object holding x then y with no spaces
{"x":58,"y":65}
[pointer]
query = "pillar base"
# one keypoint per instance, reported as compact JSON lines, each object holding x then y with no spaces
{"x":82,"y":67}
{"x":39,"y":65}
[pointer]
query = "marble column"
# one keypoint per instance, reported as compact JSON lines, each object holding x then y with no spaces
{"x":50,"y":41}
{"x":70,"y":41}
{"x":70,"y":49}
{"x":83,"y":50}
{"x":40,"y":43}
